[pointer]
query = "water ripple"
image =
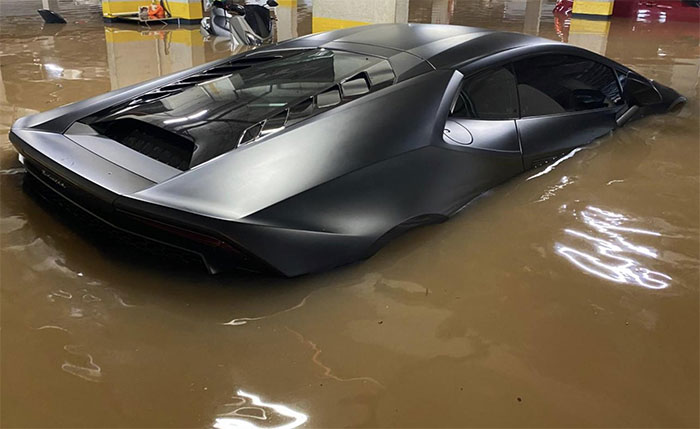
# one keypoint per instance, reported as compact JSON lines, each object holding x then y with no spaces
{"x":243,"y":320}
{"x":12,"y":224}
{"x":248,"y":411}
{"x":613,"y":256}
{"x":90,"y":371}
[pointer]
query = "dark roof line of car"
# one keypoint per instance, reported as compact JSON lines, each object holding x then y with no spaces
{"x":436,"y":44}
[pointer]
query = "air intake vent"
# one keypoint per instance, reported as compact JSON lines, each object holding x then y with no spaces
{"x":154,"y":142}
{"x":373,"y":79}
{"x":356,"y":85}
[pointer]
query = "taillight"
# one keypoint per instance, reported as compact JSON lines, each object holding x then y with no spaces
{"x":204,"y":239}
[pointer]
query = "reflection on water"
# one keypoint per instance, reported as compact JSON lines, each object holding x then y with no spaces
{"x":86,"y":368}
{"x":554,"y":165}
{"x":158,"y":53}
{"x":510,"y":299}
{"x":327,"y":371}
{"x":48,"y":258}
{"x":551,"y":191}
{"x":605,"y":249}
{"x":243,"y":320}
{"x":248,"y":411}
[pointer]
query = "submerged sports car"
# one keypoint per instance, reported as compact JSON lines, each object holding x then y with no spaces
{"x":315,"y":152}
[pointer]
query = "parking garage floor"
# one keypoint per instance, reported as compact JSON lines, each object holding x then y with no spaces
{"x":565,"y":297}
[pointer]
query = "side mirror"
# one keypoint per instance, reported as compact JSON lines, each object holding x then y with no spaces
{"x":639,"y":91}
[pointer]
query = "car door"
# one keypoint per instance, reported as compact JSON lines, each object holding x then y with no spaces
{"x":565,"y":101}
{"x":481,"y":128}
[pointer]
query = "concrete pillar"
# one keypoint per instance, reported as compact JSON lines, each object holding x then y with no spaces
{"x":401,"y":11}
{"x":286,"y":14}
{"x":50,"y":4}
{"x":533,"y":13}
{"x":590,"y":34}
{"x":333,"y":14}
{"x":440,"y":12}
{"x":3,"y":94}
{"x":593,"y":8}
{"x":514,"y":9}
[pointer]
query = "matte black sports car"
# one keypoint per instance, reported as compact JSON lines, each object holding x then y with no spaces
{"x":313,"y":153}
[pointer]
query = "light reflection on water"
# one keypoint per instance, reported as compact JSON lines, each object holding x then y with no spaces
{"x":614,"y":257}
{"x":244,"y":320}
{"x":249,"y":411}
{"x":87,"y":369}
{"x":554,"y":165}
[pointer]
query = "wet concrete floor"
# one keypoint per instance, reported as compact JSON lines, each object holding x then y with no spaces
{"x":566,"y":297}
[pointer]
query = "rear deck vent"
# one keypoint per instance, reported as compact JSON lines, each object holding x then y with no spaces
{"x":356,"y":85}
{"x":380,"y":75}
{"x":275,"y":123}
{"x":151,"y":96}
{"x":300,"y":111}
{"x":223,"y":70}
{"x":328,"y":98}
{"x":256,"y":59}
{"x":251,"y":133}
{"x":175,"y":88}
{"x":198,"y":78}
{"x":154,"y":142}
{"x":207,"y":75}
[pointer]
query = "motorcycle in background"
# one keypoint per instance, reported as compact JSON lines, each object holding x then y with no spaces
{"x":258,"y":16}
{"x":249,"y":24}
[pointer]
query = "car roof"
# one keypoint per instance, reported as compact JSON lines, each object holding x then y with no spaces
{"x":443,"y":46}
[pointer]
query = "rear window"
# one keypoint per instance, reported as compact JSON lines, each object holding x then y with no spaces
{"x":488,"y":95}
{"x":236,"y":102}
{"x":256,"y":93}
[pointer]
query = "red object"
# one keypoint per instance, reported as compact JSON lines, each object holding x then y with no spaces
{"x":156,"y":12}
{"x":658,"y":10}
{"x":645,"y":10}
{"x":563,"y":7}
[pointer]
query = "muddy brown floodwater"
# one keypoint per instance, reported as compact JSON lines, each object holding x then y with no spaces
{"x":566,"y":297}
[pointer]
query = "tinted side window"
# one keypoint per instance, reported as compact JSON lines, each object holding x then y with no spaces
{"x":488,"y":95}
{"x":549,"y":84}
{"x":640,"y":91}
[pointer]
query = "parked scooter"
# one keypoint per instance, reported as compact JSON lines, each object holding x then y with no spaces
{"x":228,"y":19}
{"x":259,"y":17}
